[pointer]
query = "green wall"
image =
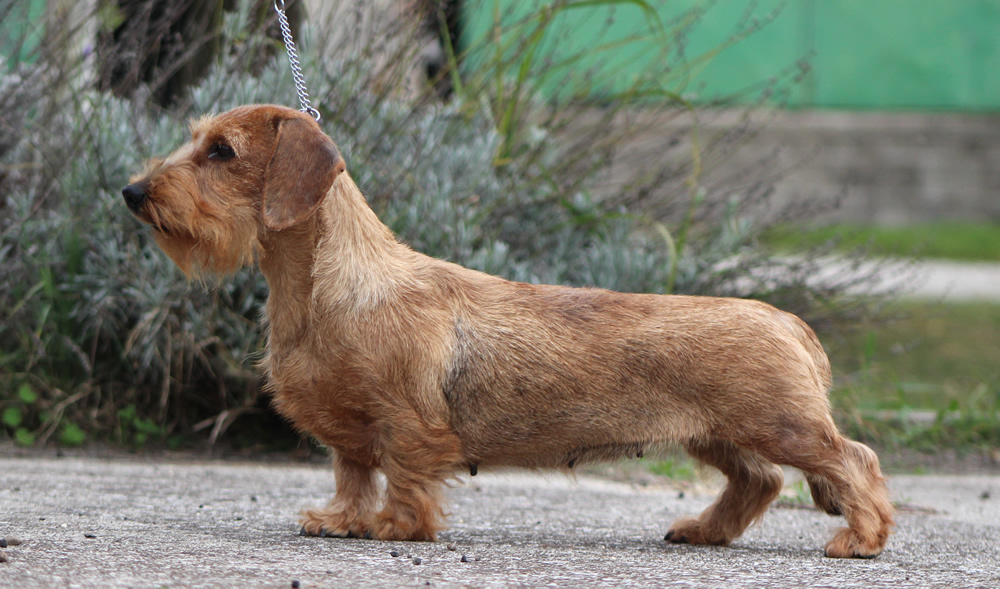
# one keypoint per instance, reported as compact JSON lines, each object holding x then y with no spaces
{"x":863,"y":54}
{"x":20,"y":29}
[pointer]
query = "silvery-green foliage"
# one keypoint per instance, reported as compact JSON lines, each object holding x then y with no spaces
{"x":17,"y":93}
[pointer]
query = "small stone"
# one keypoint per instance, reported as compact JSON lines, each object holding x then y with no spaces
{"x":680,"y":495}
{"x":91,"y":536}
{"x":3,"y":542}
{"x":295,"y":584}
{"x":3,"y":557}
{"x":417,"y":560}
{"x":464,"y":558}
{"x":12,"y":541}
{"x":394,"y":553}
{"x":452,"y":546}
{"x":985,"y":495}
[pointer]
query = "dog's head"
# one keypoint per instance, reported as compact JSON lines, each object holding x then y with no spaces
{"x":246,"y":172}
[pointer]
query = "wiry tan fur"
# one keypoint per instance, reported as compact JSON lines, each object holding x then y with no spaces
{"x":421,"y":368}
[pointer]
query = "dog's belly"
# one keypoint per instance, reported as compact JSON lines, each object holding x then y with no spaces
{"x":555,"y":426}
{"x":571,"y":400}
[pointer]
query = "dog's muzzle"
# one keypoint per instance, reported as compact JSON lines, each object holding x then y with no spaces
{"x":135,"y":195}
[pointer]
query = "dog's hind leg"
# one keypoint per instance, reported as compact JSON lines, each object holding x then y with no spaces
{"x":349,"y":514}
{"x":853,"y":470}
{"x":753,"y":483}
{"x":845,"y":478}
{"x":864,"y":502}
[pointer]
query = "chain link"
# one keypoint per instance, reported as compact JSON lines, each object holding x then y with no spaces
{"x":293,"y":60}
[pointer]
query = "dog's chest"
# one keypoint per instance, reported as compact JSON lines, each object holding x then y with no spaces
{"x":326,"y":404}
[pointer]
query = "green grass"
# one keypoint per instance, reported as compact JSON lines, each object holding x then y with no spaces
{"x":948,"y":240}
{"x":678,"y":467}
{"x":943,"y":359}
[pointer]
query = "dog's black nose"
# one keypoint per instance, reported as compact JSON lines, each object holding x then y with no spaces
{"x":135,"y":195}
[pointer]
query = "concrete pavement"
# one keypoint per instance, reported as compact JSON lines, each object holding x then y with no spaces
{"x":956,"y":281}
{"x":935,"y":280}
{"x":928,"y":280}
{"x":87,"y":522}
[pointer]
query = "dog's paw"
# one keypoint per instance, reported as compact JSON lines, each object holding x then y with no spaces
{"x":331,"y":524}
{"x":686,"y":530}
{"x":689,"y":530}
{"x":389,"y":528}
{"x":848,"y":544}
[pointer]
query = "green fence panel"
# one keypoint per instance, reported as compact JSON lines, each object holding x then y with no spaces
{"x":866,"y":54}
{"x":908,"y":53}
{"x":21,"y":29}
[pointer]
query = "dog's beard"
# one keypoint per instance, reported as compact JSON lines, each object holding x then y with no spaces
{"x":212,"y":253}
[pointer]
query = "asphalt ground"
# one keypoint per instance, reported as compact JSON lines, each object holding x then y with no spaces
{"x":86,"y":522}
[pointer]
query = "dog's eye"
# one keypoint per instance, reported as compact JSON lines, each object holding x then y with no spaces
{"x":221,"y":152}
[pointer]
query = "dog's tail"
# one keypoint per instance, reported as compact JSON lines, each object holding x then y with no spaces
{"x":825,"y":495}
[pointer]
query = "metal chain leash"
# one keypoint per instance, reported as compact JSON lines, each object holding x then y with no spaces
{"x":293,"y":60}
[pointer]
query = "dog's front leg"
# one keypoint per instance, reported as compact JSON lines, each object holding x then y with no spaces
{"x":415,"y":464}
{"x":351,"y":512}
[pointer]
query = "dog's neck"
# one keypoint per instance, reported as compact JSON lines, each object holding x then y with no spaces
{"x":342,"y":250}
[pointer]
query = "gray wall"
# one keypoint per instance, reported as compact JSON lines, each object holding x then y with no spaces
{"x":887,"y":168}
{"x":895,"y":168}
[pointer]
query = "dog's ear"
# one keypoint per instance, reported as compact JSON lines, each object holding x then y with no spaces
{"x":302,"y":169}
